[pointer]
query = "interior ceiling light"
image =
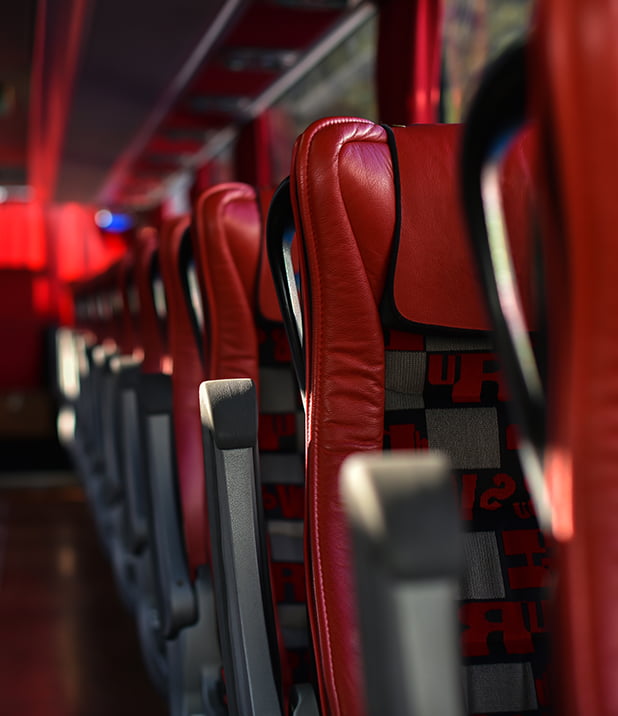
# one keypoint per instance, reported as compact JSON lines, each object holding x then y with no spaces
{"x":113,"y":221}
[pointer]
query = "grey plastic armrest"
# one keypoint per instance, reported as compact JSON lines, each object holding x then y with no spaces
{"x":99,"y":369}
{"x":120,"y":376}
{"x":242,"y":589}
{"x":131,"y":451}
{"x":67,"y":364}
{"x":177,"y":600}
{"x":407,"y":551}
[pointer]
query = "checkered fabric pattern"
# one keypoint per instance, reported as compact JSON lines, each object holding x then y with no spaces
{"x":281,"y":431}
{"x":447,"y":393}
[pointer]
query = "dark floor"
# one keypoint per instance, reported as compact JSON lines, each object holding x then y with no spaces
{"x":67,"y":645}
{"x":28,"y":454}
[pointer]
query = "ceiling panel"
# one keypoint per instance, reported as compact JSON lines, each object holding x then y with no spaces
{"x":132,"y":54}
{"x":156,"y":80}
{"x":16,"y":40}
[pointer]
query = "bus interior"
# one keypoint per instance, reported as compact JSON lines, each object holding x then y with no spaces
{"x":306,"y":366}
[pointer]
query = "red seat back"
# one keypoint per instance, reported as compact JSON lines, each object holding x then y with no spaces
{"x":398,"y":356}
{"x":153,"y":327}
{"x":576,"y":104}
{"x":188,"y":372}
{"x":130,"y":336}
{"x":227,"y":243}
{"x":245,"y":339}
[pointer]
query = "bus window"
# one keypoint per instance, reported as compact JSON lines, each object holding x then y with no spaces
{"x":475,"y":32}
{"x":340,"y":84}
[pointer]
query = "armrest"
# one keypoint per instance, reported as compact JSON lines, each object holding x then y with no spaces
{"x":100,"y":357}
{"x":67,"y":365}
{"x":131,"y":450}
{"x":177,"y":601}
{"x":118,"y":374}
{"x":242,"y":586}
{"x":83,"y":411}
{"x":405,"y":529}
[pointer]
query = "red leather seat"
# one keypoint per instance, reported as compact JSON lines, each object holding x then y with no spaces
{"x":398,"y":355}
{"x":151,"y":309}
{"x":227,"y":244}
{"x":245,"y":339}
{"x":187,"y":373}
{"x":576,"y":106}
{"x":130,"y":338}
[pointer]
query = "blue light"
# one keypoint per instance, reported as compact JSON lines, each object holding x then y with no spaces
{"x":108,"y":221}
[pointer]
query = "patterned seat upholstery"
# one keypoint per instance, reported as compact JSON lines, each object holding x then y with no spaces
{"x":282,"y":473}
{"x":398,"y":355}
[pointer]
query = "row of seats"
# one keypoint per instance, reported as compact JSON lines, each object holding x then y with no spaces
{"x":398,"y":355}
{"x":195,"y":303}
{"x":220,"y":506}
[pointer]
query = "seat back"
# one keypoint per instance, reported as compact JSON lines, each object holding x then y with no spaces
{"x":227,"y":239}
{"x":245,"y":339}
{"x":114,"y":328}
{"x":398,"y":355}
{"x":576,"y":106}
{"x":152,"y":303}
{"x":145,"y":298}
{"x":130,"y":341}
{"x":185,"y":344}
{"x":570,"y":90}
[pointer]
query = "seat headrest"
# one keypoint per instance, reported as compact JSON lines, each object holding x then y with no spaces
{"x":267,"y":303}
{"x":432,"y":278}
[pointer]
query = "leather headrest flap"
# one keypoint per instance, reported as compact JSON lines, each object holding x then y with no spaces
{"x":433,"y":279}
{"x":267,"y":304}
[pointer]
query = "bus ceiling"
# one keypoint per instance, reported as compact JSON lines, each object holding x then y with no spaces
{"x":121,"y":96}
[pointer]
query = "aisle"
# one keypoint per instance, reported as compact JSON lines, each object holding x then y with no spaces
{"x":68,"y":647}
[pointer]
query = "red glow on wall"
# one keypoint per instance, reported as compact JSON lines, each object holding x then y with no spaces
{"x":22,"y":236}
{"x":79,"y":248}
